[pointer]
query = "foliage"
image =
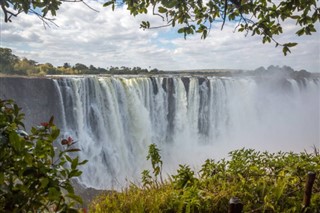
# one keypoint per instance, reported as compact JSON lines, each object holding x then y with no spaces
{"x":257,"y":17}
{"x":12,"y":8}
{"x":7,"y":59}
{"x":265,"y":182}
{"x":34,"y":177}
{"x":156,"y":162}
{"x":12,"y":64}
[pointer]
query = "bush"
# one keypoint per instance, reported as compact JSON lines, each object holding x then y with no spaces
{"x":34,"y":176}
{"x":264,"y":182}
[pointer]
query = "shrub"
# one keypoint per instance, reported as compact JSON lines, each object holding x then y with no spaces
{"x":34,"y":176}
{"x":264,"y":182}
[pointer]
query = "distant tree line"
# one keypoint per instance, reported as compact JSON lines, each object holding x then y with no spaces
{"x":11,"y":64}
{"x":284,"y":71}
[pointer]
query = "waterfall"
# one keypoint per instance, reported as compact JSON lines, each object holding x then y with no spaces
{"x":114,"y":119}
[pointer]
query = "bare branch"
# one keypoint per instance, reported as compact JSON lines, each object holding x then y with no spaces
{"x":45,"y":21}
{"x":162,"y":26}
{"x":224,"y":13}
{"x":82,"y":1}
{"x":89,"y":6}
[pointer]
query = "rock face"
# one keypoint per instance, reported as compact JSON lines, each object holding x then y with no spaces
{"x":33,"y":95}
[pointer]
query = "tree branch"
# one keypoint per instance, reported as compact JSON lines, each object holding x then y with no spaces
{"x":157,"y":14}
{"x":45,"y":21}
{"x":225,"y":13}
{"x":6,"y":12}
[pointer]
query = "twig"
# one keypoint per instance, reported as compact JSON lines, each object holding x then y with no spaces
{"x":157,"y":14}
{"x":162,"y":26}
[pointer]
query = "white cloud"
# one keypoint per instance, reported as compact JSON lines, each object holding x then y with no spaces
{"x":114,"y":39}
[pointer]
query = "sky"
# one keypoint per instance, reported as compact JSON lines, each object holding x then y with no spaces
{"x":108,"y":38}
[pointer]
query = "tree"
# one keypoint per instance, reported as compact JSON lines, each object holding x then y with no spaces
{"x":66,"y":65}
{"x":80,"y":68}
{"x":26,"y":66}
{"x":47,"y":68}
{"x":7,"y":60}
{"x":257,"y":17}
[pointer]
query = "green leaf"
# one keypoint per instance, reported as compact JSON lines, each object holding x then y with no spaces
{"x":55,"y":133}
{"x":74,"y":163}
{"x":285,"y":50}
{"x":51,"y":121}
{"x":15,"y":140}
{"x":83,"y":162}
{"x":108,"y":3}
{"x":291,"y":44}
{"x":181,"y":30}
{"x":54,"y":194}
{"x":68,"y":158}
{"x":300,"y":32}
{"x":75,"y":173}
{"x":75,"y":198}
{"x":44,"y":182}
{"x":162,"y":10}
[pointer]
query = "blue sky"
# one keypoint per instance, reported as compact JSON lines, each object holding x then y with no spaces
{"x":115,"y":39}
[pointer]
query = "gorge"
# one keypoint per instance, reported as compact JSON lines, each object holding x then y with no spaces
{"x":190,"y":118}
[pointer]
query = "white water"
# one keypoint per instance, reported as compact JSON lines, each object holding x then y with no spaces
{"x":114,"y":120}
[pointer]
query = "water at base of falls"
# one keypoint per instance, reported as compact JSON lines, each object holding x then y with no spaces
{"x":115,"y":119}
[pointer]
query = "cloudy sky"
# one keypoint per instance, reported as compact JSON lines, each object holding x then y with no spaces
{"x":109,"y":38}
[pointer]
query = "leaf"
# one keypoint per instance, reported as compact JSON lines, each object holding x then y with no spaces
{"x":285,"y":50}
{"x":108,"y":3}
{"x":181,"y":30}
{"x":15,"y":140}
{"x":300,"y":32}
{"x":291,"y":44}
{"x":68,"y":158}
{"x":83,"y":162}
{"x":53,"y":194}
{"x":75,"y":198}
{"x":55,"y":133}
{"x":51,"y":121}
{"x":75,"y":173}
{"x":44,"y":182}
{"x":73,"y":150}
{"x":162,"y":10}
{"x":74,"y":163}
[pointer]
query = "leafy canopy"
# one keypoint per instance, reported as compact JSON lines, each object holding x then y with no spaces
{"x":12,"y":8}
{"x":255,"y":17}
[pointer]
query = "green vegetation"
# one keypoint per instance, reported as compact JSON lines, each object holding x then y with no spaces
{"x":34,"y":176}
{"x":264,"y":182}
{"x":11,"y":64}
{"x":264,"y":18}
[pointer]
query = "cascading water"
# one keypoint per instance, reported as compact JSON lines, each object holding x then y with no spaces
{"x":114,"y":119}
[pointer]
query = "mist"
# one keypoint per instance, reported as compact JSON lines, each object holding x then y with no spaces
{"x":115,"y":118}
